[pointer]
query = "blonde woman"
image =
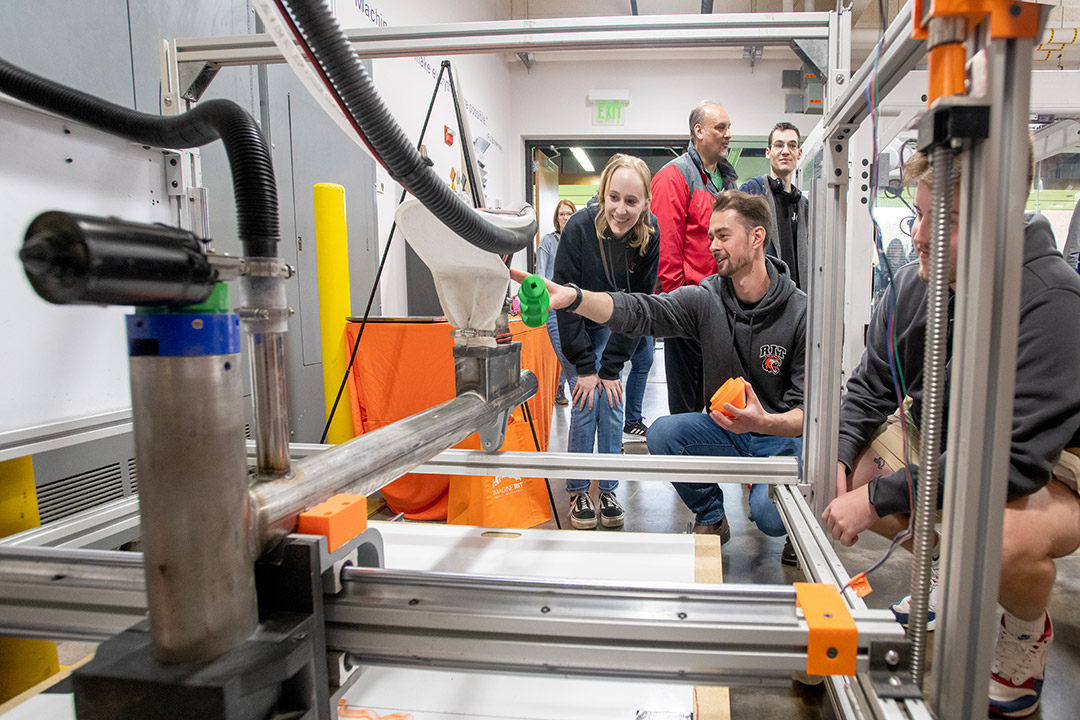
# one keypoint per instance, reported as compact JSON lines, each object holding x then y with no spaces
{"x":612,"y":245}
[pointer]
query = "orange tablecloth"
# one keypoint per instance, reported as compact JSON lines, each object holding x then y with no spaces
{"x":404,"y":367}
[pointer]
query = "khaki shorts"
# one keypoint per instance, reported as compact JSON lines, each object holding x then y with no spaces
{"x":888,"y":442}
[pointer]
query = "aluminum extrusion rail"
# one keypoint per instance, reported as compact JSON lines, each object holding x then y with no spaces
{"x":900,"y":55}
{"x":689,"y":633}
{"x":654,"y":31}
{"x":117,"y":522}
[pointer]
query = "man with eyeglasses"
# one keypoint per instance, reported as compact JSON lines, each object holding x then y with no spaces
{"x":788,"y":236}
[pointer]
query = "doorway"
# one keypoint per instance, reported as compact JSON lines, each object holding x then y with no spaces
{"x":560,"y":169}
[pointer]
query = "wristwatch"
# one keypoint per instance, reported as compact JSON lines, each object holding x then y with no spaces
{"x":577,"y":301}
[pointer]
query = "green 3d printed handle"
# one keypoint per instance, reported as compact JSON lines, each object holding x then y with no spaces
{"x":534,"y":299}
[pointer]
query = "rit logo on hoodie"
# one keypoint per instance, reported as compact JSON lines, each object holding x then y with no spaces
{"x":772,"y":357}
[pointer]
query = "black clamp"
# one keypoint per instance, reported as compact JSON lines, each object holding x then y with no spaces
{"x":951,"y":120}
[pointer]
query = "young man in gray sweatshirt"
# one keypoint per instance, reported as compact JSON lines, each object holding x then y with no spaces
{"x":1042,"y":517}
{"x":751,"y":322}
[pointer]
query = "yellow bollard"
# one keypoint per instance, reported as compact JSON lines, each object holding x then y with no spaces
{"x":332,"y":256}
{"x":23,"y":663}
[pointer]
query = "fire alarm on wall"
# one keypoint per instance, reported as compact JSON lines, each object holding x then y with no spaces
{"x":448,"y":135}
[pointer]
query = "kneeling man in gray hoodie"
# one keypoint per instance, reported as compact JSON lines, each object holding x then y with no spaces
{"x":751,"y":322}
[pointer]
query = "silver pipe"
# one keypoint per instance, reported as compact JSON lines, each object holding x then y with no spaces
{"x":933,"y":400}
{"x":369,"y":462}
{"x":60,"y":566}
{"x":60,"y":594}
{"x":271,"y":430}
{"x":264,"y":310}
{"x":189,"y":441}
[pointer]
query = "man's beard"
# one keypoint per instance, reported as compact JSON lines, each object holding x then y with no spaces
{"x":730,"y":268}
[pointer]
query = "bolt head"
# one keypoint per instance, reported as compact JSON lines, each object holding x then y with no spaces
{"x":892,"y":657}
{"x":895,"y":681}
{"x":839,"y":78}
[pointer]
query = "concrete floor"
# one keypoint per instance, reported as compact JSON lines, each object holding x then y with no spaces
{"x":752,"y":557}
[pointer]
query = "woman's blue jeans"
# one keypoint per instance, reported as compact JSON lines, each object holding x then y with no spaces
{"x":640,"y":364}
{"x":602,"y":424}
{"x":698,"y":434}
{"x":556,"y":344}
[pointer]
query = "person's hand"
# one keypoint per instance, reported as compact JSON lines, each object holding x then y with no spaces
{"x":613,"y":388}
{"x":752,"y":418}
{"x":849,"y":515}
{"x":583,"y":390}
{"x":560,"y":296}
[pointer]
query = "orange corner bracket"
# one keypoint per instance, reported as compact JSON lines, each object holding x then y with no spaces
{"x":339,"y":519}
{"x":834,"y":639}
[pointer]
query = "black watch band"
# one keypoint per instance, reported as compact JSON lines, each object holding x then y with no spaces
{"x":577,"y":301}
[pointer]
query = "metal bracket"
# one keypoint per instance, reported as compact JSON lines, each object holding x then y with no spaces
{"x":174,"y":173}
{"x":890,"y":671}
{"x":488,"y":371}
{"x":814,"y":53}
{"x":195,"y":78}
{"x":837,"y":146}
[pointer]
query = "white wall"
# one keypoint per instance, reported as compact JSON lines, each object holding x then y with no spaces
{"x":550,"y":100}
{"x":406,"y":85}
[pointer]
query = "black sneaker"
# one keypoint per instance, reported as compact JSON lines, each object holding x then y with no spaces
{"x":634,"y":430}
{"x":788,"y":556}
{"x":611,"y":512}
{"x":721,"y":528}
{"x":582,"y":511}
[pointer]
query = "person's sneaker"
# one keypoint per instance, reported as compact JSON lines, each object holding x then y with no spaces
{"x":902,"y":609}
{"x":1016,"y":675}
{"x":721,"y":528}
{"x":611,"y":512}
{"x":788,"y":556}
{"x":582,"y":511}
{"x":561,"y":399}
{"x":634,"y":430}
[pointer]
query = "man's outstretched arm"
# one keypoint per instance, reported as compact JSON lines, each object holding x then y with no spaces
{"x":596,"y":306}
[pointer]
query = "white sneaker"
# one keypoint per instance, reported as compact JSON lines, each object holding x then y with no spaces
{"x":1016,"y":675}
{"x":1020,"y":664}
{"x":902,"y":609}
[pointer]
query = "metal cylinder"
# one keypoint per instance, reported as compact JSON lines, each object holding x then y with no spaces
{"x":72,"y":258}
{"x":933,"y":399}
{"x":189,"y":444}
{"x":265,"y":313}
{"x":271,"y":431}
{"x":367,"y":463}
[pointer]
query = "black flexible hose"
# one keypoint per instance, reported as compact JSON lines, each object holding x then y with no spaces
{"x":351,"y":81}
{"x":249,"y":156}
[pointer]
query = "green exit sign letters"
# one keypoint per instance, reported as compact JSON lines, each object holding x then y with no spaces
{"x":609,"y":112}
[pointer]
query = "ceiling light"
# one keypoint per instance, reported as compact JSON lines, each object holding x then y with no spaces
{"x":582,"y":159}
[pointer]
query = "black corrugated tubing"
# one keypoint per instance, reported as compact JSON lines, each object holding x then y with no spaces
{"x":394,"y":150}
{"x":249,"y":156}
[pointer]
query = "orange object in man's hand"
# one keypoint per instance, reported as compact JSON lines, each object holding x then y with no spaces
{"x":733,"y":391}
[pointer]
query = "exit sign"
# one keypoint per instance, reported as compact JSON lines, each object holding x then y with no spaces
{"x":609,"y":112}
